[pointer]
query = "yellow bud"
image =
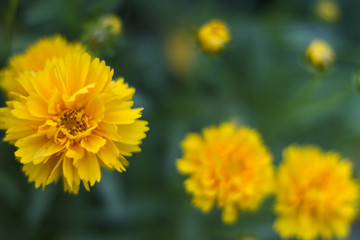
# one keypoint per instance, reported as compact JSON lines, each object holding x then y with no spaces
{"x":213,"y":36}
{"x":327,"y":10}
{"x":320,"y":54}
{"x":102,"y":33}
{"x":112,"y":22}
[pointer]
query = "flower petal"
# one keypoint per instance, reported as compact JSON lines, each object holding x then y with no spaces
{"x":132,"y":133}
{"x":127,"y":149}
{"x":93,"y":143}
{"x":55,"y":173}
{"x":75,"y":151}
{"x":89,"y":168}
{"x":37,"y":106}
{"x":109,"y":156}
{"x":31,"y":148}
{"x":95,"y":109}
{"x":122,"y":116}
{"x":68,"y":170}
{"x":108,"y":131}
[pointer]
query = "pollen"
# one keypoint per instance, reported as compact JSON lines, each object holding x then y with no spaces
{"x":74,"y":121}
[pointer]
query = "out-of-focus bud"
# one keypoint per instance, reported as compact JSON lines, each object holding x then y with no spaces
{"x":112,"y":23}
{"x":213,"y":36}
{"x":180,"y":52}
{"x":100,"y":35}
{"x":328,"y":10}
{"x":320,"y":54}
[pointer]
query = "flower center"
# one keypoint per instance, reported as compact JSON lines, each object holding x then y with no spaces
{"x":74,"y":121}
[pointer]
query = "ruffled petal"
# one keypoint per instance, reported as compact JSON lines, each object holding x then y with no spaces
{"x":93,"y":143}
{"x":89,"y":168}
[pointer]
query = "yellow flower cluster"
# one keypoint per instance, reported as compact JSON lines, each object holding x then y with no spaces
{"x":227,"y":165}
{"x":316,"y":195}
{"x":67,"y":117}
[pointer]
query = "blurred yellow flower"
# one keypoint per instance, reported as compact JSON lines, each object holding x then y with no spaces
{"x":113,"y":23}
{"x":227,"y":165}
{"x":327,"y":10}
{"x":320,"y":54}
{"x":180,"y":52}
{"x":70,"y":120}
{"x":213,"y":36}
{"x":34,"y":60}
{"x":316,"y":195}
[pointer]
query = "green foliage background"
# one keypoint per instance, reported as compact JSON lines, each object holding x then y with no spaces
{"x":260,"y":80}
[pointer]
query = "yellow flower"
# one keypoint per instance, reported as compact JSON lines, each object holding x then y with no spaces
{"x":320,"y":54}
{"x":71,"y":120}
{"x":227,"y":165}
{"x":327,"y":10}
{"x":213,"y":36}
{"x":112,"y":22}
{"x":34,"y":60}
{"x":316,"y":195}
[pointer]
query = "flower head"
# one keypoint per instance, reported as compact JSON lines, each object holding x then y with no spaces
{"x":227,"y":165}
{"x":113,"y":23}
{"x":327,"y":10}
{"x":213,"y":36}
{"x":71,"y":119}
{"x":316,"y":195}
{"x":320,"y":54}
{"x":34,"y":60}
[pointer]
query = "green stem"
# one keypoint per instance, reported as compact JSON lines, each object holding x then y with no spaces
{"x":321,"y":105}
{"x":10,"y":24}
{"x":304,"y":93}
{"x":11,"y":16}
{"x":198,"y":74}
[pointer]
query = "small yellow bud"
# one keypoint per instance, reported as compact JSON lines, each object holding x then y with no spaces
{"x":101,"y":33}
{"x":327,"y":10}
{"x":320,"y":54}
{"x":213,"y":36}
{"x":112,"y":22}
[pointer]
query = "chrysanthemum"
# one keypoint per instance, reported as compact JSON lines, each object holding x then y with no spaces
{"x":213,"y":36}
{"x":71,"y":119}
{"x":320,"y":54}
{"x":316,"y":195}
{"x":227,"y":165}
{"x":34,"y":60}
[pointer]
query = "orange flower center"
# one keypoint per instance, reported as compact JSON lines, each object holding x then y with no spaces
{"x":74,"y":121}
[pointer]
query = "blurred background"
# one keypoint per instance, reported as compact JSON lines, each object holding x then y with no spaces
{"x":261,"y":79}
